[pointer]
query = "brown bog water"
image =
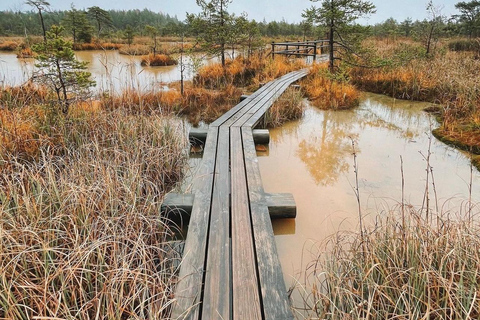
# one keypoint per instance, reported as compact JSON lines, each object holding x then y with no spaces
{"x":312,"y":159}
{"x":112,"y":71}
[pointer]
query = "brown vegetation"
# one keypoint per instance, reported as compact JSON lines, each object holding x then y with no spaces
{"x":134,"y":50}
{"x":289,"y":106}
{"x":405,"y":267}
{"x":97,"y":46}
{"x":449,"y":79}
{"x":9,"y":45}
{"x":158,"y":60}
{"x":327,"y":93}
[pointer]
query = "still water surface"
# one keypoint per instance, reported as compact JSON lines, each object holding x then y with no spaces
{"x":112,"y":71}
{"x":312,"y":159}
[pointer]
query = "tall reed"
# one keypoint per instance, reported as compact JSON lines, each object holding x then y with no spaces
{"x":81,"y":236}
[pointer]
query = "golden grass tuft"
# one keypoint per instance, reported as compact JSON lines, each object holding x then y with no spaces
{"x":289,"y":106}
{"x":158,"y":60}
{"x":26,"y":53}
{"x":9,"y":45}
{"x":138,"y":102}
{"x":327,"y":93}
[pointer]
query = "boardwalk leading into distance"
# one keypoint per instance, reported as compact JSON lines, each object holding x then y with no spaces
{"x":230,"y":267}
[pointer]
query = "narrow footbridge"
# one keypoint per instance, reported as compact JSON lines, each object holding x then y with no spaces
{"x":230,"y":267}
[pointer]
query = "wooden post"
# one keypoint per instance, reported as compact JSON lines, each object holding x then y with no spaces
{"x":273,"y":50}
{"x":315,"y":51}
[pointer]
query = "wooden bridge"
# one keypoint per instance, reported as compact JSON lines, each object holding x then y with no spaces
{"x":300,"y":49}
{"x":230,"y":268}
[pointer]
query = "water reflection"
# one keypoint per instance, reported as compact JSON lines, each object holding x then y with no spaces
{"x":312,"y":159}
{"x":324,"y":152}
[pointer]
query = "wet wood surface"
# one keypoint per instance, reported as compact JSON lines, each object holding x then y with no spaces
{"x":230,"y":267}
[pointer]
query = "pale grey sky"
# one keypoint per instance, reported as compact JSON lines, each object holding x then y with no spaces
{"x":290,"y":10}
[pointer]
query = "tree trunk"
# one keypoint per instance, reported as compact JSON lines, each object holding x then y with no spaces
{"x":43,"y":26}
{"x":330,"y":46}
{"x":330,"y":38}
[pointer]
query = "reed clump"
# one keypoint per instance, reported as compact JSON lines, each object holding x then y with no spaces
{"x":158,"y":60}
{"x":201,"y":104}
{"x":289,"y":106}
{"x":244,"y":72}
{"x":9,"y":45}
{"x":26,"y":53}
{"x":326,"y":92}
{"x":415,"y":269}
{"x":97,"y":46}
{"x":143,"y":102}
{"x":82,"y":237}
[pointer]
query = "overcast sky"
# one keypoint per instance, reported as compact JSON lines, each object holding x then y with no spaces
{"x":290,"y":10}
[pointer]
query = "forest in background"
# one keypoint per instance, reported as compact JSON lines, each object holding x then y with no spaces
{"x":121,"y":22}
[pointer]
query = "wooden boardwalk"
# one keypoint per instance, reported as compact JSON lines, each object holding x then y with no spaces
{"x":230,"y":268}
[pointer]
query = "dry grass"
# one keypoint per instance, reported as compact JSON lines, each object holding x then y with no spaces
{"x":415,"y":269}
{"x":26,"y":53}
{"x":9,"y":45}
{"x":450,"y":80}
{"x":327,"y":93}
{"x":137,"y":102}
{"x":158,"y":60}
{"x":97,"y":46}
{"x":289,"y":106}
{"x":81,"y":234}
{"x":135,"y":50}
{"x":245,"y":72}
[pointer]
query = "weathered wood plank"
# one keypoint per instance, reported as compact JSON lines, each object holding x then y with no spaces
{"x":274,"y":293}
{"x":255,"y":117}
{"x":267,"y":100}
{"x":198,"y":136}
{"x":249,"y":102}
{"x":189,"y":288}
{"x":217,"y":291}
{"x":246,"y":295}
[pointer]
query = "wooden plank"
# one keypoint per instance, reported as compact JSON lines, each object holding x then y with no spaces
{"x":267,"y":100}
{"x":255,"y":118}
{"x":246,"y":295}
{"x":199,"y":136}
{"x":274,"y":293}
{"x":251,"y":100}
{"x":189,"y":288}
{"x":217,"y":290}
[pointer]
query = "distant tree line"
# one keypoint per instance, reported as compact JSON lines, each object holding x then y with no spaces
{"x":17,"y":23}
{"x":94,"y":22}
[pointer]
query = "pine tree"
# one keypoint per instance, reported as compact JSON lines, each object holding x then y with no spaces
{"x":58,"y":69}
{"x":338,"y":16}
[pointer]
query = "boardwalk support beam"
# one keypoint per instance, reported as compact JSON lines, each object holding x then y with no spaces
{"x":177,"y":207}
